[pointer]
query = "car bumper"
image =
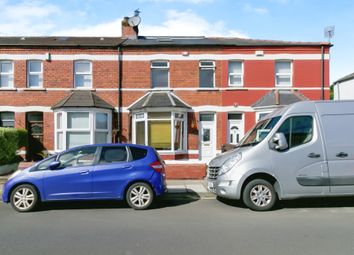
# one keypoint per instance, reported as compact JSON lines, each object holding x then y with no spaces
{"x":5,"y":193}
{"x":224,"y":188}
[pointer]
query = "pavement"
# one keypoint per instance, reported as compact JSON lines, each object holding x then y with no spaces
{"x":175,"y":188}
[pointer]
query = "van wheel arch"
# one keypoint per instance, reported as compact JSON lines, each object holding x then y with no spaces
{"x":271,"y":179}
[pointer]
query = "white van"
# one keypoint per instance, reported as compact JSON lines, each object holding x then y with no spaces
{"x":303,"y":150}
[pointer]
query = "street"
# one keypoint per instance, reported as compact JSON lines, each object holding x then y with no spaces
{"x":180,"y":225}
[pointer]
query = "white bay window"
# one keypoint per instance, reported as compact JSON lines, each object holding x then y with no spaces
{"x":165,"y":131}
{"x":75,"y":127}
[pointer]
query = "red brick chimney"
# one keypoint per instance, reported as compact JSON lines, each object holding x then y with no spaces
{"x":128,"y":31}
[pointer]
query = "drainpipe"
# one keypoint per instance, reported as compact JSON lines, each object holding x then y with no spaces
{"x":120,"y":80}
{"x":322,"y":74}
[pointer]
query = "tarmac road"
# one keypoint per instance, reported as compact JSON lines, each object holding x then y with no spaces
{"x":180,"y":225}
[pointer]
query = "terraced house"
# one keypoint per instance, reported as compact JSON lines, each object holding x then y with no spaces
{"x":185,"y":96}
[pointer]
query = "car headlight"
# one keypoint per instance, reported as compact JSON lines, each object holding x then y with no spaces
{"x":14,"y":174}
{"x":228,"y":164}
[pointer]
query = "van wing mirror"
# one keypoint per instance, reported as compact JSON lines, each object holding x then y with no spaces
{"x":279,"y":142}
{"x":54,"y":165}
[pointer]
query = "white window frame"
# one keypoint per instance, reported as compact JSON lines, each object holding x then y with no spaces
{"x":91,"y":129}
{"x":143,"y":117}
{"x":161,"y":68}
{"x":284,"y":74}
{"x":83,"y":73}
{"x":207,"y":67}
{"x":8,"y":120}
{"x":40,"y":74}
{"x":11,"y":74}
{"x":235,"y":74}
{"x":262,"y":112}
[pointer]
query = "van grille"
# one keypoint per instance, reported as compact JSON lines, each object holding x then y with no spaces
{"x":213,"y":172}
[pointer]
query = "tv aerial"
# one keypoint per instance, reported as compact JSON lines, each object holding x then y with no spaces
{"x":329,"y":32}
{"x":135,"y":20}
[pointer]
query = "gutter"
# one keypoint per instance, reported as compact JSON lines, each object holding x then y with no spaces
{"x":322,"y":74}
{"x":120,"y":96}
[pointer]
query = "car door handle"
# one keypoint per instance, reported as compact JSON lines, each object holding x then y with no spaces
{"x":84,"y":172}
{"x":314,"y":155}
{"x":342,"y":155}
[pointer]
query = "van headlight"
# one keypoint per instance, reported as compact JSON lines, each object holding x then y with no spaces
{"x":228,"y":164}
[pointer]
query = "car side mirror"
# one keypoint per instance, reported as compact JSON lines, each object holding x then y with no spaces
{"x":54,"y":165}
{"x":279,"y":142}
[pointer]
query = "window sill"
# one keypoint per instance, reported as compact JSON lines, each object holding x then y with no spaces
{"x":172,"y":152}
{"x":34,"y":89}
{"x":208,"y":89}
{"x":87,"y":89}
{"x":8,"y":89}
{"x":236,"y":88}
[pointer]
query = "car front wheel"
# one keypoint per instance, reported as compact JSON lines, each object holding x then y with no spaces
{"x":24,"y":198}
{"x":259,"y":195}
{"x":139,"y":196}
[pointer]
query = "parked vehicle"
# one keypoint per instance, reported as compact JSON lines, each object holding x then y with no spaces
{"x":303,"y":150}
{"x":104,"y":171}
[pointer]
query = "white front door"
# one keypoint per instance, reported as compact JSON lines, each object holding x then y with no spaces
{"x":235,"y":128}
{"x":207,"y":137}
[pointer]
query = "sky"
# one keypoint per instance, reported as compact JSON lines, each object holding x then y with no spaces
{"x":289,"y":20}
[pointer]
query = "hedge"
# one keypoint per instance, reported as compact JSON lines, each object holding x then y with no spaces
{"x":11,"y":139}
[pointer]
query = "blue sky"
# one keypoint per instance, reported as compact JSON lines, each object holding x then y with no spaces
{"x":293,"y":20}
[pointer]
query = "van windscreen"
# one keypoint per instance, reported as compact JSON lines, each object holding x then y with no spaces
{"x":259,"y":132}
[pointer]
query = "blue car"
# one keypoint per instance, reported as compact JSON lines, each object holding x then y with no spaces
{"x":128,"y":172}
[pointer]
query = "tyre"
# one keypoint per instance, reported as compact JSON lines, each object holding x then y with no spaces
{"x":139,"y":196}
{"x":259,"y":195}
{"x":24,"y":198}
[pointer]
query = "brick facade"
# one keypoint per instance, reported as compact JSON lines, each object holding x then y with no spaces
{"x":258,"y":80}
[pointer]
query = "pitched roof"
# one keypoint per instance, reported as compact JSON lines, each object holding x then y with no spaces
{"x":85,"y":99}
{"x":345,"y":78}
{"x":212,"y":41}
{"x":279,"y":98}
{"x":112,"y":42}
{"x":159,"y":99}
{"x":61,"y":41}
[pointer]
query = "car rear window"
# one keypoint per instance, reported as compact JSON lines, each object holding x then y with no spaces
{"x":138,"y":153}
{"x":113,"y":154}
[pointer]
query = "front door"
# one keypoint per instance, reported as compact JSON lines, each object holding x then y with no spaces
{"x":73,"y":179}
{"x":301,"y":169}
{"x":34,"y":125}
{"x":235,"y":128}
{"x":207,"y":137}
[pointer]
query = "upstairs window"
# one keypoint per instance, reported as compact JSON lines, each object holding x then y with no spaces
{"x":206,"y":74}
{"x":6,"y":74}
{"x":7,"y":119}
{"x":83,"y":74}
{"x":34,"y":74}
{"x":159,"y":74}
{"x":235,"y":73}
{"x":283,"y":74}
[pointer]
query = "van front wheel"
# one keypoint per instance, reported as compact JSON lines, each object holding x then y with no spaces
{"x":259,"y":195}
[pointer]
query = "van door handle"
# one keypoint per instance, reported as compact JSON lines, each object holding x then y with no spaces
{"x":84,"y":172}
{"x":342,"y":155}
{"x":314,"y":155}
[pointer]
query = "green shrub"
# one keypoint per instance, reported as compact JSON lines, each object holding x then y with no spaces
{"x":11,"y":139}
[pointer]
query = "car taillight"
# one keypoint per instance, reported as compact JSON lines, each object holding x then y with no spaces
{"x":157,"y":166}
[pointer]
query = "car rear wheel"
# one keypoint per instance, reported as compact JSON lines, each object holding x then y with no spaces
{"x":259,"y":195}
{"x":24,"y":198}
{"x":140,"y":196}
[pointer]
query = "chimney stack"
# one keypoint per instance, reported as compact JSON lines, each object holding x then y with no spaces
{"x":130,"y":28}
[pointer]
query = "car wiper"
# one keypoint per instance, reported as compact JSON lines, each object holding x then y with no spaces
{"x":248,"y":144}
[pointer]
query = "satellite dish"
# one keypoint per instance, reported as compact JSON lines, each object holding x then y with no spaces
{"x":134,"y":21}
